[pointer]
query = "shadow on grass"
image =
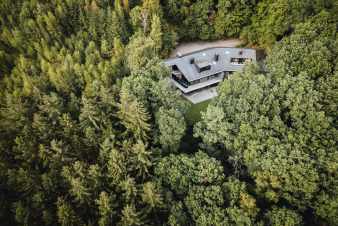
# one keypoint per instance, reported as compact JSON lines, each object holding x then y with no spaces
{"x":194,"y":113}
{"x":190,"y":144}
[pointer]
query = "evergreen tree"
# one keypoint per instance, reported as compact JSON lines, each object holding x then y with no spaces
{"x":133,"y":116}
{"x":90,"y":126}
{"x":172,"y":127}
{"x":156,"y":32}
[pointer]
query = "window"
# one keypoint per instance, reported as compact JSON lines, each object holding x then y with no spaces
{"x":208,"y":67}
{"x":239,"y":60}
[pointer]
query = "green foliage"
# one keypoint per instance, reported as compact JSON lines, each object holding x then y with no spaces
{"x":193,"y":18}
{"x":274,"y":19}
{"x":156,"y":32}
{"x":283,"y":217}
{"x":105,"y":209}
{"x":273,"y":127}
{"x":177,"y":215}
{"x":251,"y":104}
{"x":197,"y":180}
{"x":65,"y":213}
{"x":151,"y":88}
{"x":130,"y":217}
{"x":90,"y":126}
{"x":313,"y":44}
{"x":205,"y":205}
{"x":232,"y":16}
{"x":172,"y":128}
{"x":139,"y":51}
{"x":133,"y":116}
{"x":151,"y":196}
{"x":180,"y":173}
{"x":242,"y":208}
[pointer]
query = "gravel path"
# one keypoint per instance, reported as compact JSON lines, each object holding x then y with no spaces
{"x":189,"y":47}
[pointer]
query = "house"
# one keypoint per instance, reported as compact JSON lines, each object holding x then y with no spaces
{"x":197,"y":74}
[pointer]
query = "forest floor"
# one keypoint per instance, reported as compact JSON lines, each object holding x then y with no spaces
{"x":188,"y":47}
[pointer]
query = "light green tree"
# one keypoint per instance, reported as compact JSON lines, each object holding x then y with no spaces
{"x":139,"y":51}
{"x":156,"y":33}
{"x":105,"y":207}
{"x":133,"y":116}
{"x":130,"y":217}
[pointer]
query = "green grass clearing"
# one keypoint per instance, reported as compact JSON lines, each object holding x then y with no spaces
{"x":193,"y":115}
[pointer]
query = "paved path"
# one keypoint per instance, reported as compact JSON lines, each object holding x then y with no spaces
{"x":202,"y":95}
{"x":189,"y":47}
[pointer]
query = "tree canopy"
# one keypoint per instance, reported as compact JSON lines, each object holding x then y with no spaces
{"x":92,"y":132}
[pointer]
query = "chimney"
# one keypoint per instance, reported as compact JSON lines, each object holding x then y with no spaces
{"x":216,"y":57}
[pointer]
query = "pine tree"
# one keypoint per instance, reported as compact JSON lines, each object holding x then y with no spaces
{"x":130,"y":217}
{"x":172,"y":128}
{"x":140,"y":160}
{"x":156,"y":33}
{"x":139,"y":51}
{"x":105,"y":208}
{"x":133,"y":116}
{"x":66,"y":214}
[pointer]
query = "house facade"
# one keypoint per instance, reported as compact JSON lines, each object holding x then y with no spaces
{"x":197,"y":74}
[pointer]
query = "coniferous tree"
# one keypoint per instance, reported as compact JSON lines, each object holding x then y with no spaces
{"x":156,"y":33}
{"x":133,"y":116}
{"x":90,"y":127}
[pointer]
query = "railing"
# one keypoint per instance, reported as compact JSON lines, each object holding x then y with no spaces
{"x":181,"y":82}
{"x":212,"y":77}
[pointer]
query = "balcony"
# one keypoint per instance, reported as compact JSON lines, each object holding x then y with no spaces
{"x":178,"y":78}
{"x":199,"y":84}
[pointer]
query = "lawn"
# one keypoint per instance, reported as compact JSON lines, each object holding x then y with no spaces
{"x":194,"y":113}
{"x":189,"y":143}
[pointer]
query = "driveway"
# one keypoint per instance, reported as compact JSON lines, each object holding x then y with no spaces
{"x":189,"y":47}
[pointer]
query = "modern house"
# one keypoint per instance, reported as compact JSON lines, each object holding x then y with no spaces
{"x":197,"y":74}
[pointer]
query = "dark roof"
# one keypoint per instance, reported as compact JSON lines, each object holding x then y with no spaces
{"x":187,"y":63}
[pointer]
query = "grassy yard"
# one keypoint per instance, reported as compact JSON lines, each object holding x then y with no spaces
{"x":194,"y":113}
{"x":190,"y":144}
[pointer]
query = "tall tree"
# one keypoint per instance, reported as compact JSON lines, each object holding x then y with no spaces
{"x":133,"y":116}
{"x":156,"y":33}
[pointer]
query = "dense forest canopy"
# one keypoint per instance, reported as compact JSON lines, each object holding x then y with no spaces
{"x":91,"y":132}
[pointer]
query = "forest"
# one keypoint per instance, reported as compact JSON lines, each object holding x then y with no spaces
{"x":91,"y":133}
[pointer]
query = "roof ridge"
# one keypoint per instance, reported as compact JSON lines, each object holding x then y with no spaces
{"x":208,"y":48}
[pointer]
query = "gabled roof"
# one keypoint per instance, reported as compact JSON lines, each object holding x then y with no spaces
{"x":186,"y":63}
